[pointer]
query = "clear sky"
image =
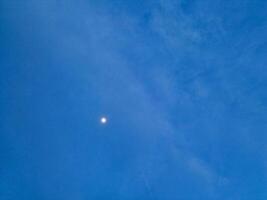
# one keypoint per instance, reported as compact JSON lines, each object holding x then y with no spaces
{"x":182,"y":84}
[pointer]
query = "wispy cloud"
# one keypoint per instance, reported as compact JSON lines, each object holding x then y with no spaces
{"x":161,"y":76}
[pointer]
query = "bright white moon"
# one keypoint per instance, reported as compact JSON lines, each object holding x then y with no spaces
{"x":103,"y":120}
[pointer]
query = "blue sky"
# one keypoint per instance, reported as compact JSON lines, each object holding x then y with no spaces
{"x":183,"y":84}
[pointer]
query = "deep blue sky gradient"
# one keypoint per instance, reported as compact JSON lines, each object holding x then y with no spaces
{"x":183,"y":84}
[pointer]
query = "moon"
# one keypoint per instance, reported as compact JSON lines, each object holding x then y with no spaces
{"x":103,"y":120}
